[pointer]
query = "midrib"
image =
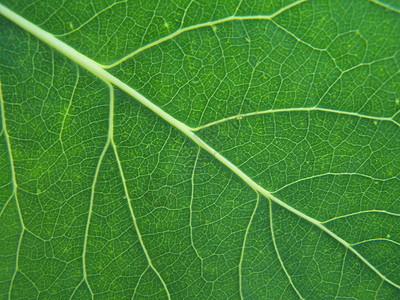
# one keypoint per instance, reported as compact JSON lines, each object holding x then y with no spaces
{"x":95,"y":68}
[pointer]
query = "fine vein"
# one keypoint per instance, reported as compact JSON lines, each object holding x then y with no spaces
{"x":191,"y":208}
{"x":244,"y":246}
{"x":271,"y":224}
{"x":14,"y":188}
{"x":92,"y":193}
{"x":146,"y":253}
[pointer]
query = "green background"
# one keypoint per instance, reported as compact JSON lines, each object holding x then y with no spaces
{"x":100,"y":197}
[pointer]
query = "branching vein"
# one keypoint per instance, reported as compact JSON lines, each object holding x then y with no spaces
{"x":14,"y":188}
{"x":271,"y":224}
{"x":197,"y":26}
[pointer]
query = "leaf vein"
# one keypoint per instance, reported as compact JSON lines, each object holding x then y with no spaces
{"x":296,"y":109}
{"x":14,"y":188}
{"x":197,"y":26}
{"x":95,"y":68}
{"x":277,"y":251}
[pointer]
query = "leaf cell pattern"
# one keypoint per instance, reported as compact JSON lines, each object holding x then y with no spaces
{"x":200,"y":149}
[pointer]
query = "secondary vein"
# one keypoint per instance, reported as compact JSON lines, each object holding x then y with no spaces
{"x":14,"y":188}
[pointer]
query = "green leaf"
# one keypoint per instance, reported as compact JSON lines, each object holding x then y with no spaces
{"x":200,"y":149}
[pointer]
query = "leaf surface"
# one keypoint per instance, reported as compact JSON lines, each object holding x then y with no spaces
{"x":200,"y":149}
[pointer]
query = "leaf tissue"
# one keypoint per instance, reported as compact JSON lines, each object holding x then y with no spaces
{"x":186,"y":149}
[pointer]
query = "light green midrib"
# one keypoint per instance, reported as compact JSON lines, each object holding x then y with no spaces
{"x":384,"y":5}
{"x":108,"y":78}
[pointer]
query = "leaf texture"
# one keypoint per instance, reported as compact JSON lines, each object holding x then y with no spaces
{"x":200,"y":149}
